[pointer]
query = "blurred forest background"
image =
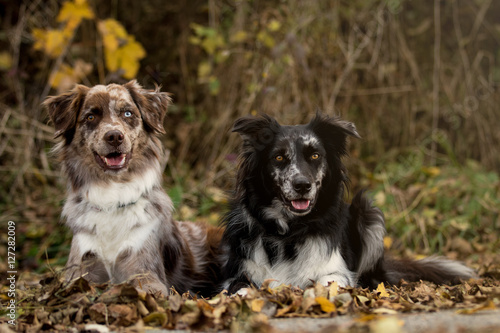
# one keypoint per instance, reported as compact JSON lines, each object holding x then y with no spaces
{"x":419,"y":78}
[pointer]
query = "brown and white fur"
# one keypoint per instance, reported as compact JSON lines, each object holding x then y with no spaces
{"x":120,"y":216}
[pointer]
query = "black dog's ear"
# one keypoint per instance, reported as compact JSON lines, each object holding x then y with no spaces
{"x":152,"y":104}
{"x":63,"y":111}
{"x":333,"y":131}
{"x":257,"y":132}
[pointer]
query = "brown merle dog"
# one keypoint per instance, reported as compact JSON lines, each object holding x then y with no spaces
{"x":119,"y":214}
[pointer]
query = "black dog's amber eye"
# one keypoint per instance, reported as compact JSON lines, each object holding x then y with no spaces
{"x":279,"y":158}
{"x":90,"y":117}
{"x":315,"y":156}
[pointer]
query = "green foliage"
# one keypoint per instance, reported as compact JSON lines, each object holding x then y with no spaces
{"x":428,"y":208}
{"x":220,"y":45}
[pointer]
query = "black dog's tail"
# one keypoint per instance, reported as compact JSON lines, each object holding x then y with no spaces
{"x":434,"y":269}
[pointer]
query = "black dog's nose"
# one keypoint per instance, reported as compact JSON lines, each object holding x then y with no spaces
{"x":114,"y":138}
{"x":301,"y":185}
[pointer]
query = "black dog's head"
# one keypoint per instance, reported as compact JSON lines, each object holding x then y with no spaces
{"x":286,"y":167}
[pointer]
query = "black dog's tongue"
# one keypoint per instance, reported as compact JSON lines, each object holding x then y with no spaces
{"x":300,"y":204}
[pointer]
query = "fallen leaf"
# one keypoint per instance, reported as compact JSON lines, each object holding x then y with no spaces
{"x":325,"y":304}
{"x":156,"y":319}
{"x":98,"y":313}
{"x":381,"y":290}
{"x":489,"y":305}
{"x":257,"y":305}
{"x":333,"y":290}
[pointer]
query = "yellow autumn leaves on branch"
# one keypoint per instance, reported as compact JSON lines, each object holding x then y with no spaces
{"x":122,"y":52}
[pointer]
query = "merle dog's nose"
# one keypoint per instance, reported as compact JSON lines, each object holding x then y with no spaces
{"x":114,"y":138}
{"x":301,"y":185}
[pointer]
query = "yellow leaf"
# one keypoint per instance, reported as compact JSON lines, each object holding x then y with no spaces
{"x":325,"y":304}
{"x":257,"y":305}
{"x":112,"y":58}
{"x":74,"y":12}
{"x":239,"y":36}
{"x":134,"y":49}
{"x":213,"y":218}
{"x":39,"y":37}
{"x":431,"y":171}
{"x":209,"y":45}
{"x":204,"y":69}
{"x":54,"y":43}
{"x":198,"y":29}
{"x":110,"y":42}
{"x":121,"y":51}
{"x":266,"y":39}
{"x":66,"y":77}
{"x":194,"y":40}
{"x":112,"y":27}
{"x":64,"y":74}
{"x":130,"y":67}
{"x":5,"y":61}
{"x":382,"y":291}
{"x":387,"y":242}
{"x":274,"y":25}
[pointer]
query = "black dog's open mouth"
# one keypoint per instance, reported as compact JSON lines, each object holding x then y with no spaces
{"x":300,"y":206}
{"x":112,"y":161}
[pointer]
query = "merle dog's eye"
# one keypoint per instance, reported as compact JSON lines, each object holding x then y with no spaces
{"x":315,"y":156}
{"x":279,"y":158}
{"x":90,"y":117}
{"x":127,"y":114}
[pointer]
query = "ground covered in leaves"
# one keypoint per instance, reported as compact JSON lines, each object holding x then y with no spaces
{"x":46,"y":303}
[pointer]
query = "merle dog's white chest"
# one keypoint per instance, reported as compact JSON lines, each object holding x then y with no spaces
{"x":115,"y":231}
{"x":314,"y":263}
{"x":114,"y":218}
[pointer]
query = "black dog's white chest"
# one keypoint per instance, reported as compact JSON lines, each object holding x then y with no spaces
{"x":312,"y":261}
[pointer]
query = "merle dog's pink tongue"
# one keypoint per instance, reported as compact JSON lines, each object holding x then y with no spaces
{"x":115,"y":160}
{"x":300,"y":204}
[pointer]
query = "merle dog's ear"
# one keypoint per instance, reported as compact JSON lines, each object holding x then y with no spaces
{"x":152,"y":104}
{"x":63,"y":111}
{"x":333,"y":131}
{"x":257,"y":132}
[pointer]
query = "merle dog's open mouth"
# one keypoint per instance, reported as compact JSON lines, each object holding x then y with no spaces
{"x":112,"y":161}
{"x":300,"y":206}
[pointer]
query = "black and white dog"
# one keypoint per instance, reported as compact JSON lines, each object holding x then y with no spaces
{"x":288,"y":221}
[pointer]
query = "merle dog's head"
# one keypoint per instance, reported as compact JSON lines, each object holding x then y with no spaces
{"x":285,"y":168}
{"x":108,"y":130}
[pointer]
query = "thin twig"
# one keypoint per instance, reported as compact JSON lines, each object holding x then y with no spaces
{"x":435,"y":76}
{"x":461,"y":48}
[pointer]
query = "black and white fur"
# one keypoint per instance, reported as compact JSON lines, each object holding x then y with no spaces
{"x":288,"y":221}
